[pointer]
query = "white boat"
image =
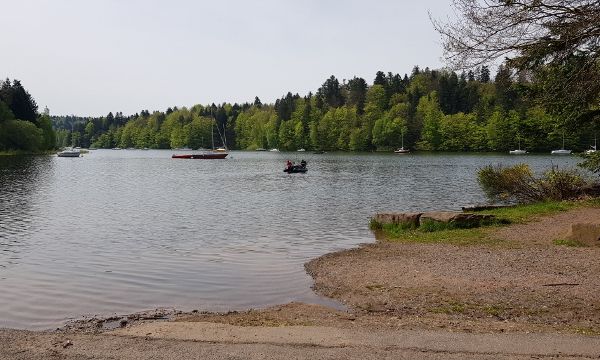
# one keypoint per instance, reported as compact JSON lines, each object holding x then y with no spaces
{"x":562,"y":151}
{"x":592,"y":149}
{"x":69,"y":152}
{"x":301,"y":150}
{"x":518,"y":151}
{"x":402,"y":150}
{"x":274,"y":150}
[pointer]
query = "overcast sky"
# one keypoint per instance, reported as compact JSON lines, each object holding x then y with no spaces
{"x":89,"y":57}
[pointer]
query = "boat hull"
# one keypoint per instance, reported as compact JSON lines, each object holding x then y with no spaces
{"x":208,"y":156}
{"x":517,"y":152}
{"x":295,"y":170}
{"x":560,"y":152}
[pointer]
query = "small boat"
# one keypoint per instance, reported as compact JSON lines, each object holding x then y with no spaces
{"x":518,"y":151}
{"x":274,"y":150}
{"x":319,"y":152}
{"x":261,"y":149}
{"x":69,"y":152}
{"x":301,"y":150}
{"x":201,"y":155}
{"x":562,"y":151}
{"x":592,"y":149}
{"x":402,"y":150}
{"x":296,"y":168}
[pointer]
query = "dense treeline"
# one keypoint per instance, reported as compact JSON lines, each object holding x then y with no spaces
{"x":21,"y":127}
{"x":430,"y":110}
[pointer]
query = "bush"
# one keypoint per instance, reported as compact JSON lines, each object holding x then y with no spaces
{"x":20,"y":135}
{"x":518,"y":184}
{"x":591,"y":162}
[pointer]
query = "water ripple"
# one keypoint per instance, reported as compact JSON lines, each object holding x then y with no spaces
{"x":124,"y":231}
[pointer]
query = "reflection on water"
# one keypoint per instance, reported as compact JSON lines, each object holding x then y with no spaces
{"x":124,"y":231}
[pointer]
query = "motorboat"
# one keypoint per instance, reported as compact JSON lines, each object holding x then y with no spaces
{"x":274,"y":150}
{"x":301,"y":150}
{"x":69,"y":152}
{"x":261,"y":149}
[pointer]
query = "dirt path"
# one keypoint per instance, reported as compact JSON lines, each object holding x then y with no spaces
{"x":524,"y":284}
{"x":198,"y":340}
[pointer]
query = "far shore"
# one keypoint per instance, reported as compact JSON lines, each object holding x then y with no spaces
{"x":522,"y":282}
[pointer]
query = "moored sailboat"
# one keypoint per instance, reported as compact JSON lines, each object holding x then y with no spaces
{"x":561,"y":151}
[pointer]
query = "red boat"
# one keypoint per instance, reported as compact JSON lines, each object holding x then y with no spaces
{"x":205,"y":155}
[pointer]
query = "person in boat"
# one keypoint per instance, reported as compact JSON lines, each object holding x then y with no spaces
{"x":288,"y":165}
{"x":303,"y":163}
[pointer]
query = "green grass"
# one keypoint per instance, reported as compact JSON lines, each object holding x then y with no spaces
{"x":444,"y":233}
{"x":569,"y":243}
{"x":522,"y":213}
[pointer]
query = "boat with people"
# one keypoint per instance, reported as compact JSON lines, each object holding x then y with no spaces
{"x":69,"y":152}
{"x":292,"y":168}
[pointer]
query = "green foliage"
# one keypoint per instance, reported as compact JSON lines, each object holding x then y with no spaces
{"x":518,"y":183}
{"x":21,"y":135}
{"x":591,"y":162}
{"x":430,"y":110}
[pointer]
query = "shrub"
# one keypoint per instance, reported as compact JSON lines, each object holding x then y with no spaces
{"x":518,"y":184}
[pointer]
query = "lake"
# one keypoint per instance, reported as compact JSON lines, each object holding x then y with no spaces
{"x":132,"y":230}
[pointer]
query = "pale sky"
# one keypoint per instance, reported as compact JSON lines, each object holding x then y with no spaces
{"x":89,"y":57}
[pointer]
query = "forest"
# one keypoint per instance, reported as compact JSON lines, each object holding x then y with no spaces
{"x":22,"y":128}
{"x":431,"y":110}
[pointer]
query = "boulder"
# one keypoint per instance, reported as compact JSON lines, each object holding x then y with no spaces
{"x":457,"y":219}
{"x":410,"y":219}
{"x":585,"y":233}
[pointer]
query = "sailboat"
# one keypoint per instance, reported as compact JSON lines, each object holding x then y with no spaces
{"x":402,"y":150}
{"x":518,"y":151}
{"x":593,"y":148}
{"x":561,"y":151}
{"x":220,"y":153}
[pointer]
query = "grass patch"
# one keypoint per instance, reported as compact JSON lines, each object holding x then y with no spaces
{"x":375,"y":287}
{"x":522,"y":213}
{"x":454,"y":237}
{"x":451,"y":308}
{"x":569,"y":243}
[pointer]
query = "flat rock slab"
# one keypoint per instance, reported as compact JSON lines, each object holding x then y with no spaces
{"x":459,"y":219}
{"x":409,"y":218}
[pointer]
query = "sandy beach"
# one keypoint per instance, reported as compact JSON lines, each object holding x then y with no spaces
{"x":517,"y":297}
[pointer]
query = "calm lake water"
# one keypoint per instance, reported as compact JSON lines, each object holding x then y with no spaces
{"x":125,"y":231}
